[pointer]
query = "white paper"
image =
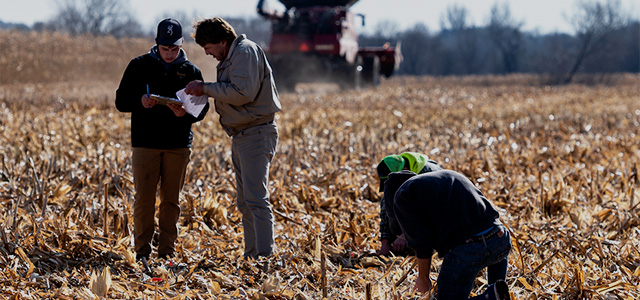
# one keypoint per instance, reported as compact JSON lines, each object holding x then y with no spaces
{"x":192,"y":104}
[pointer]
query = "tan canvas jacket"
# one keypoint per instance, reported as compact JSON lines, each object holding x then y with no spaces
{"x":245,"y":94}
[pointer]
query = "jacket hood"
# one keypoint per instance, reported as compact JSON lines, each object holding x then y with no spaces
{"x":182,"y":57}
{"x":391,"y":186}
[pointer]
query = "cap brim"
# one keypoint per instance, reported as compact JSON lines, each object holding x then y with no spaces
{"x":163,"y":42}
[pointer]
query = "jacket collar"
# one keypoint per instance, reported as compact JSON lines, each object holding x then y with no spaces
{"x":227,"y":60}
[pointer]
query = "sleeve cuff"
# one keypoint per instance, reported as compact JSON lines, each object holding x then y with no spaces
{"x":206,"y":90}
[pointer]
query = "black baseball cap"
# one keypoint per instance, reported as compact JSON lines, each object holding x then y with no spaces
{"x":169,"y":33}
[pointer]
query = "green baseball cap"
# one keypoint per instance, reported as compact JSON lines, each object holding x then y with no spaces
{"x":389,"y":164}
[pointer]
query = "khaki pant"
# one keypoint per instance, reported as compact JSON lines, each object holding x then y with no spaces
{"x":150,"y":167}
{"x":252,"y":151}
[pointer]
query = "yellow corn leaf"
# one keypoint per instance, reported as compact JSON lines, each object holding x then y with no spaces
{"x":271,"y":285}
{"x":61,"y":190}
{"x":524,"y":282}
{"x":100,"y":282}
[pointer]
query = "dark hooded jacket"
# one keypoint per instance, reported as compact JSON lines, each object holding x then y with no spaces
{"x":157,"y":127}
{"x":437,"y":210}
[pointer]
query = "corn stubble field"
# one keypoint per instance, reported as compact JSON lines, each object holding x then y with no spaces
{"x":561,"y":163}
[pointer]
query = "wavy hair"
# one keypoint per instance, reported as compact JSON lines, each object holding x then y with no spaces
{"x":213,"y":31}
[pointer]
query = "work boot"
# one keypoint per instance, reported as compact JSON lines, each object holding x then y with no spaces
{"x":145,"y":265}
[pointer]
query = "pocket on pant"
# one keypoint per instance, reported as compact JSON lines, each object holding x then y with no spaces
{"x":469,"y":255}
{"x":502,"y":247}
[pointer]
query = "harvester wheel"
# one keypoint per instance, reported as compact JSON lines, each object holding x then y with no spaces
{"x":370,"y":71}
{"x":352,"y":75}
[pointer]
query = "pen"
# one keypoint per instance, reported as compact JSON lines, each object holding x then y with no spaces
{"x":148,"y":105}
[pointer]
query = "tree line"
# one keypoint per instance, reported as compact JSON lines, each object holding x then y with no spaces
{"x":606,"y":39}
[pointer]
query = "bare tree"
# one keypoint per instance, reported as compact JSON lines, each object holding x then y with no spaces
{"x":550,"y":57}
{"x":455,"y":18}
{"x":596,"y":24}
{"x":420,"y":51}
{"x":505,"y":32}
{"x":463,"y":39}
{"x":96,"y":17}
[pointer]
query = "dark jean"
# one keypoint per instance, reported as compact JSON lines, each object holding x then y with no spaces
{"x":462,"y":264}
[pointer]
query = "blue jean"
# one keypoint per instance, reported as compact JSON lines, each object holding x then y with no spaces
{"x":251,"y":152}
{"x":462,"y":264}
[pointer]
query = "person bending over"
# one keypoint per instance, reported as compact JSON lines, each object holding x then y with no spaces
{"x":443,"y":212}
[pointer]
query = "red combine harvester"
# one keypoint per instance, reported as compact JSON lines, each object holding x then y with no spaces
{"x":316,"y":41}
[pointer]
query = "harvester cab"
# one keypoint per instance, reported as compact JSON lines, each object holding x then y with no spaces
{"x":317,"y":41}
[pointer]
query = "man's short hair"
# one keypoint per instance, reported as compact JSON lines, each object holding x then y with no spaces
{"x":213,"y":31}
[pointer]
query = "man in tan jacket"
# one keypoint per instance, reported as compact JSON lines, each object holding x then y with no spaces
{"x":246,"y":98}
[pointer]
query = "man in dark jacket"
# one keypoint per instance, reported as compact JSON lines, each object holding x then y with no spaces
{"x":443,"y":211}
{"x":161,"y":135}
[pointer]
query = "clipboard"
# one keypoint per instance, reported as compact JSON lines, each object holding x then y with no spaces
{"x":165,"y":100}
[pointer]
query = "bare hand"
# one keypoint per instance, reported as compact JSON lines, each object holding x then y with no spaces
{"x":399,"y":244}
{"x":148,"y":102}
{"x":423,"y":284}
{"x":178,"y":110}
{"x":195,"y":88}
{"x":385,"y":247}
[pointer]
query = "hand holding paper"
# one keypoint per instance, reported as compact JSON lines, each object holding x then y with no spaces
{"x":192,"y":104}
{"x":195,"y":88}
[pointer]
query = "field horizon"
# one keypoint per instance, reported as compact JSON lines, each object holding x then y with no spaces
{"x":560,"y":162}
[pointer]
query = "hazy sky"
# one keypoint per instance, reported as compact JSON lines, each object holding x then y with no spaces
{"x":543,"y":16}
